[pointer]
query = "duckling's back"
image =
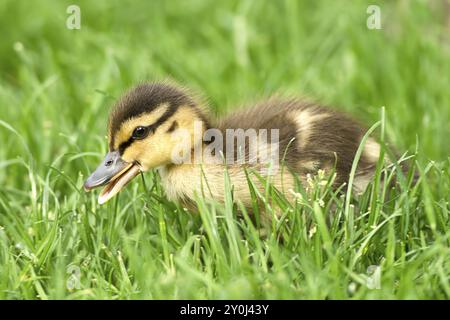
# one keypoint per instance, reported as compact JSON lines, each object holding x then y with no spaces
{"x":311,"y":137}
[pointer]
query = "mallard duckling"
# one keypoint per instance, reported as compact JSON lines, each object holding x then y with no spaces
{"x":162,"y":126}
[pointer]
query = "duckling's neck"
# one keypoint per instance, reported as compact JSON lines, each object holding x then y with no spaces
{"x":180,"y":180}
{"x":183,"y":181}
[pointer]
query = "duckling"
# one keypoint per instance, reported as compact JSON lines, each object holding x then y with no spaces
{"x":162,"y":126}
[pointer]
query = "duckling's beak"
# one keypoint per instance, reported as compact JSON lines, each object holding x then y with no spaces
{"x":113,"y":173}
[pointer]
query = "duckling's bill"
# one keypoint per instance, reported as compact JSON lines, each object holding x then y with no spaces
{"x":113,"y":173}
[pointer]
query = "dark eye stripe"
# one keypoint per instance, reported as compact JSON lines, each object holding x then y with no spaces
{"x":124,"y":145}
{"x":151,"y":128}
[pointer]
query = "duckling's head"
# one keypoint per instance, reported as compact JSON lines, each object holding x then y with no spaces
{"x":144,"y":130}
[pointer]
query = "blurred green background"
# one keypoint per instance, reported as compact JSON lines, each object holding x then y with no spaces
{"x":56,"y":87}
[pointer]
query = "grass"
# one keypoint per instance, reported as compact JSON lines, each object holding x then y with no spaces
{"x":56,"y":86}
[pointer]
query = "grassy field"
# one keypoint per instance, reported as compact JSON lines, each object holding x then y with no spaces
{"x":56,"y":87}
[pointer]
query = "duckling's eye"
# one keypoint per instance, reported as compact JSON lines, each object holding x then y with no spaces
{"x":140,"y":132}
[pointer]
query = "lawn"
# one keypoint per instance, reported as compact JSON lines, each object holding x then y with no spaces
{"x":56,"y":88}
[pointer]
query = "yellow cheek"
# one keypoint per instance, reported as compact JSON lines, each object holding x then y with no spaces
{"x":134,"y":151}
{"x":151,"y":152}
